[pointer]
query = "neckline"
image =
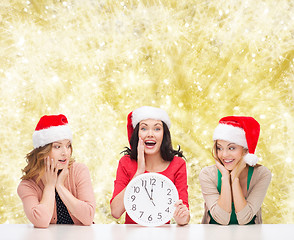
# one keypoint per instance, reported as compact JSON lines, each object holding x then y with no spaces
{"x":219,"y":178}
{"x":168,"y":166}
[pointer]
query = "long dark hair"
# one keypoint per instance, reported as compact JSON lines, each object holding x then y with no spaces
{"x":166,"y":150}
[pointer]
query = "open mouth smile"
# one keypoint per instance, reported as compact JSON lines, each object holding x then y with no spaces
{"x":150,"y":143}
{"x":228,"y":160}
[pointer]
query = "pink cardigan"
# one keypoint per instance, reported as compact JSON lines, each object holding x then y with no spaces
{"x":78,"y":183}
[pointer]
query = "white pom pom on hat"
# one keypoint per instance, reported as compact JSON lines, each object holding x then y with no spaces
{"x":51,"y":128}
{"x":241,"y":130}
{"x":143,"y":113}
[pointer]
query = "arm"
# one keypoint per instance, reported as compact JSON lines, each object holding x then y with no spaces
{"x":261,"y":180}
{"x":225,"y":197}
{"x":122,"y":180}
{"x":39,"y":212}
{"x":182,"y":213}
{"x":83,"y":206}
{"x":238,"y":197}
{"x":208,"y":183}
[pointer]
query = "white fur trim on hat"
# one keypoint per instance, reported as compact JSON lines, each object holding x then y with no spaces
{"x":50,"y":135}
{"x":250,"y":159}
{"x":230,"y":133}
{"x":147,"y":112}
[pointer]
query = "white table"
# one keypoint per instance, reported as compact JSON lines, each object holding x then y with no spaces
{"x":132,"y":232}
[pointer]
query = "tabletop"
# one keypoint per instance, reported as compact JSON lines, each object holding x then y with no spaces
{"x":132,"y":232}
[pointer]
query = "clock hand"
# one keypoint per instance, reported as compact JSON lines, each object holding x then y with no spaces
{"x":151,"y":193}
{"x":153,"y":203}
{"x":147,"y":193}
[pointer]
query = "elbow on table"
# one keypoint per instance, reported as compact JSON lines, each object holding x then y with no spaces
{"x":41,"y":224}
{"x":40,"y":221}
{"x":244,"y":222}
{"x":88,"y":222}
{"x":224,"y":222}
{"x":115,"y":213}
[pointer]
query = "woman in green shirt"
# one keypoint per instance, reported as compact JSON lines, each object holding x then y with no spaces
{"x":234,"y":188}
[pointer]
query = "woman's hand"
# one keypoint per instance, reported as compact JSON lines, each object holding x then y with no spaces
{"x":140,"y":157}
{"x":225,"y":172}
{"x":238,"y":169}
{"x":62,"y":176}
{"x":182,"y":213}
{"x":50,"y":176}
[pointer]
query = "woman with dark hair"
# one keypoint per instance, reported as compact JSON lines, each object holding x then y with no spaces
{"x":151,"y":151}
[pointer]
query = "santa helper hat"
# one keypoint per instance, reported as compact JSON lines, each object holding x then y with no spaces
{"x":51,"y":128}
{"x":143,"y":113}
{"x":240,"y":130}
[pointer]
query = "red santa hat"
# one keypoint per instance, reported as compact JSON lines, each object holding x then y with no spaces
{"x":241,"y":130}
{"x":143,"y":113}
{"x":51,"y":128}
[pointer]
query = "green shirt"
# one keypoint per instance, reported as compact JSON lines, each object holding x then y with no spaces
{"x":233,"y":219}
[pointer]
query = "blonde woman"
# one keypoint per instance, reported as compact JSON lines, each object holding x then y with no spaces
{"x":54,"y":188}
{"x":234,"y":188}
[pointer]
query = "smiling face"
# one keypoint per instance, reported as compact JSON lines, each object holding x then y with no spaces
{"x":229,"y":153}
{"x":151,"y":132}
{"x":61,"y":152}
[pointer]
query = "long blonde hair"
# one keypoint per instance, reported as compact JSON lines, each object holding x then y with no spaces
{"x":35,"y":159}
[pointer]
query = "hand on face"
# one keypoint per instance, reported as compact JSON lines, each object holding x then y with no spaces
{"x":63,"y":175}
{"x":140,"y":157}
{"x":238,"y":169}
{"x":50,"y":176}
{"x":182,"y":213}
{"x":222,"y":169}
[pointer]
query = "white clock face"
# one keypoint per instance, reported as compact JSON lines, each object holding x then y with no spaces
{"x":149,"y":199}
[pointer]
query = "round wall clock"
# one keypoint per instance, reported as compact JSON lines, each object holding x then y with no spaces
{"x":149,"y":199}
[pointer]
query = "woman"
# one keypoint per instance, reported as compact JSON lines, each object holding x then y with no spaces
{"x":151,"y":151}
{"x":234,"y":188}
{"x":54,"y":188}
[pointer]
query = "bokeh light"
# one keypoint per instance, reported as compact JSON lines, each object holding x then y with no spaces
{"x":95,"y":61}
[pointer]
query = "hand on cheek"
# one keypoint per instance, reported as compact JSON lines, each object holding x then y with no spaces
{"x":63,"y":175}
{"x":50,"y":176}
{"x":140,"y":157}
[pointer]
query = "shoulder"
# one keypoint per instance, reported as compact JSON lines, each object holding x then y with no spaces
{"x":209,"y":172}
{"x":178,"y":161}
{"x":262,"y":171}
{"x":126,"y":161}
{"x":78,"y":166}
{"x":26,"y":186}
{"x":127,"y":166}
{"x":77,"y":169}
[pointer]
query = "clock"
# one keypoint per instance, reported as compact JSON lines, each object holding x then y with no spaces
{"x":149,"y":199}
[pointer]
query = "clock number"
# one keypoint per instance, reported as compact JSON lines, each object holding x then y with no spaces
{"x":150,"y":218}
{"x":152,"y":181}
{"x":167,"y":210}
{"x":159,"y":216}
{"x":136,"y":189}
{"x":168,"y":191}
{"x":141,"y":212}
{"x":133,"y":197}
{"x":144,"y":183}
{"x":170,"y":201}
{"x":161,"y":184}
{"x":134,"y":207}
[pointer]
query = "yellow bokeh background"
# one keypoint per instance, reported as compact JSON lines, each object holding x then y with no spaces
{"x":95,"y":61}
